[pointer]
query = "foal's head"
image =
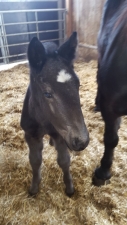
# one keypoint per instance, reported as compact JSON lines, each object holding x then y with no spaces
{"x":56,"y":88}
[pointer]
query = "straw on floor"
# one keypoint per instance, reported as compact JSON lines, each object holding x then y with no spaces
{"x":90,"y":205}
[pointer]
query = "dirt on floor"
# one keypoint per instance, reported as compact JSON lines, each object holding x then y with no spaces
{"x":90,"y":205}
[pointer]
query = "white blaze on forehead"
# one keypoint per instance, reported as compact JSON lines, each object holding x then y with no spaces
{"x":63,"y":76}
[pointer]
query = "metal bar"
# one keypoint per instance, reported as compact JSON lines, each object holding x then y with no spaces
{"x":87,"y":46}
{"x":64,"y":26}
{"x":10,"y":56}
{"x":3,"y":41}
{"x":60,"y":20}
{"x":30,"y":0}
{"x":36,"y":18}
{"x":69,"y":8}
{"x":33,"y":10}
{"x":26,"y":43}
{"x":59,"y":5}
{"x":32,"y":22}
{"x":34,"y":32}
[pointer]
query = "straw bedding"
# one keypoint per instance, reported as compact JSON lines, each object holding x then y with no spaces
{"x":90,"y":205}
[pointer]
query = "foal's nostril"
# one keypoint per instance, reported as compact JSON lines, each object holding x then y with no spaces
{"x":79,"y":145}
{"x":75,"y":142}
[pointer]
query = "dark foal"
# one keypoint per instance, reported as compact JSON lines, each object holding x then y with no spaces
{"x":52,"y":106}
{"x":111,"y":79}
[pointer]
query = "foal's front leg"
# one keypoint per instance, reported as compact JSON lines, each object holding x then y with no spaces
{"x":63,"y":159}
{"x":35,"y":157}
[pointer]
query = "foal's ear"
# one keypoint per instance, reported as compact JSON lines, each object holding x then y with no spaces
{"x":68,"y":49}
{"x":36,"y":53}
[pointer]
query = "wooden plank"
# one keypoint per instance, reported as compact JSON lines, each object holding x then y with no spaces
{"x":69,"y":19}
{"x":86,"y":21}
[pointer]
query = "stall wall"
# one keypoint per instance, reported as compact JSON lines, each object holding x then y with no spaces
{"x":86,"y":16}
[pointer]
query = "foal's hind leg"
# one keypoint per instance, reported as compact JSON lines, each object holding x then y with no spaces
{"x":112,"y":124}
{"x":63,"y":159}
{"x":35,"y":157}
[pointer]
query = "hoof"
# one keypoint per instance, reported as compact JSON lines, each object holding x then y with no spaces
{"x":31,"y":194}
{"x":69,"y":194}
{"x":101,"y":177}
{"x":99,"y":182}
{"x":33,"y":191}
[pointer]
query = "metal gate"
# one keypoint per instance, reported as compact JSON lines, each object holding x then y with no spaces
{"x":17,"y":27}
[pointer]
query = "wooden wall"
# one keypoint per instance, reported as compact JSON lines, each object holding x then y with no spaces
{"x":85,"y":17}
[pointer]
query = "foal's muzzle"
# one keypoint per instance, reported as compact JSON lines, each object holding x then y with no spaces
{"x":78,"y":144}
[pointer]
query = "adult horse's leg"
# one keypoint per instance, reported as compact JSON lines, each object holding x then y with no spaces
{"x":97,"y":101}
{"x":63,"y":159}
{"x":112,"y":124}
{"x":35,"y":157}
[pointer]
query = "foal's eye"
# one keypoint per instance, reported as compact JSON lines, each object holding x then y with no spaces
{"x":48,"y":95}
